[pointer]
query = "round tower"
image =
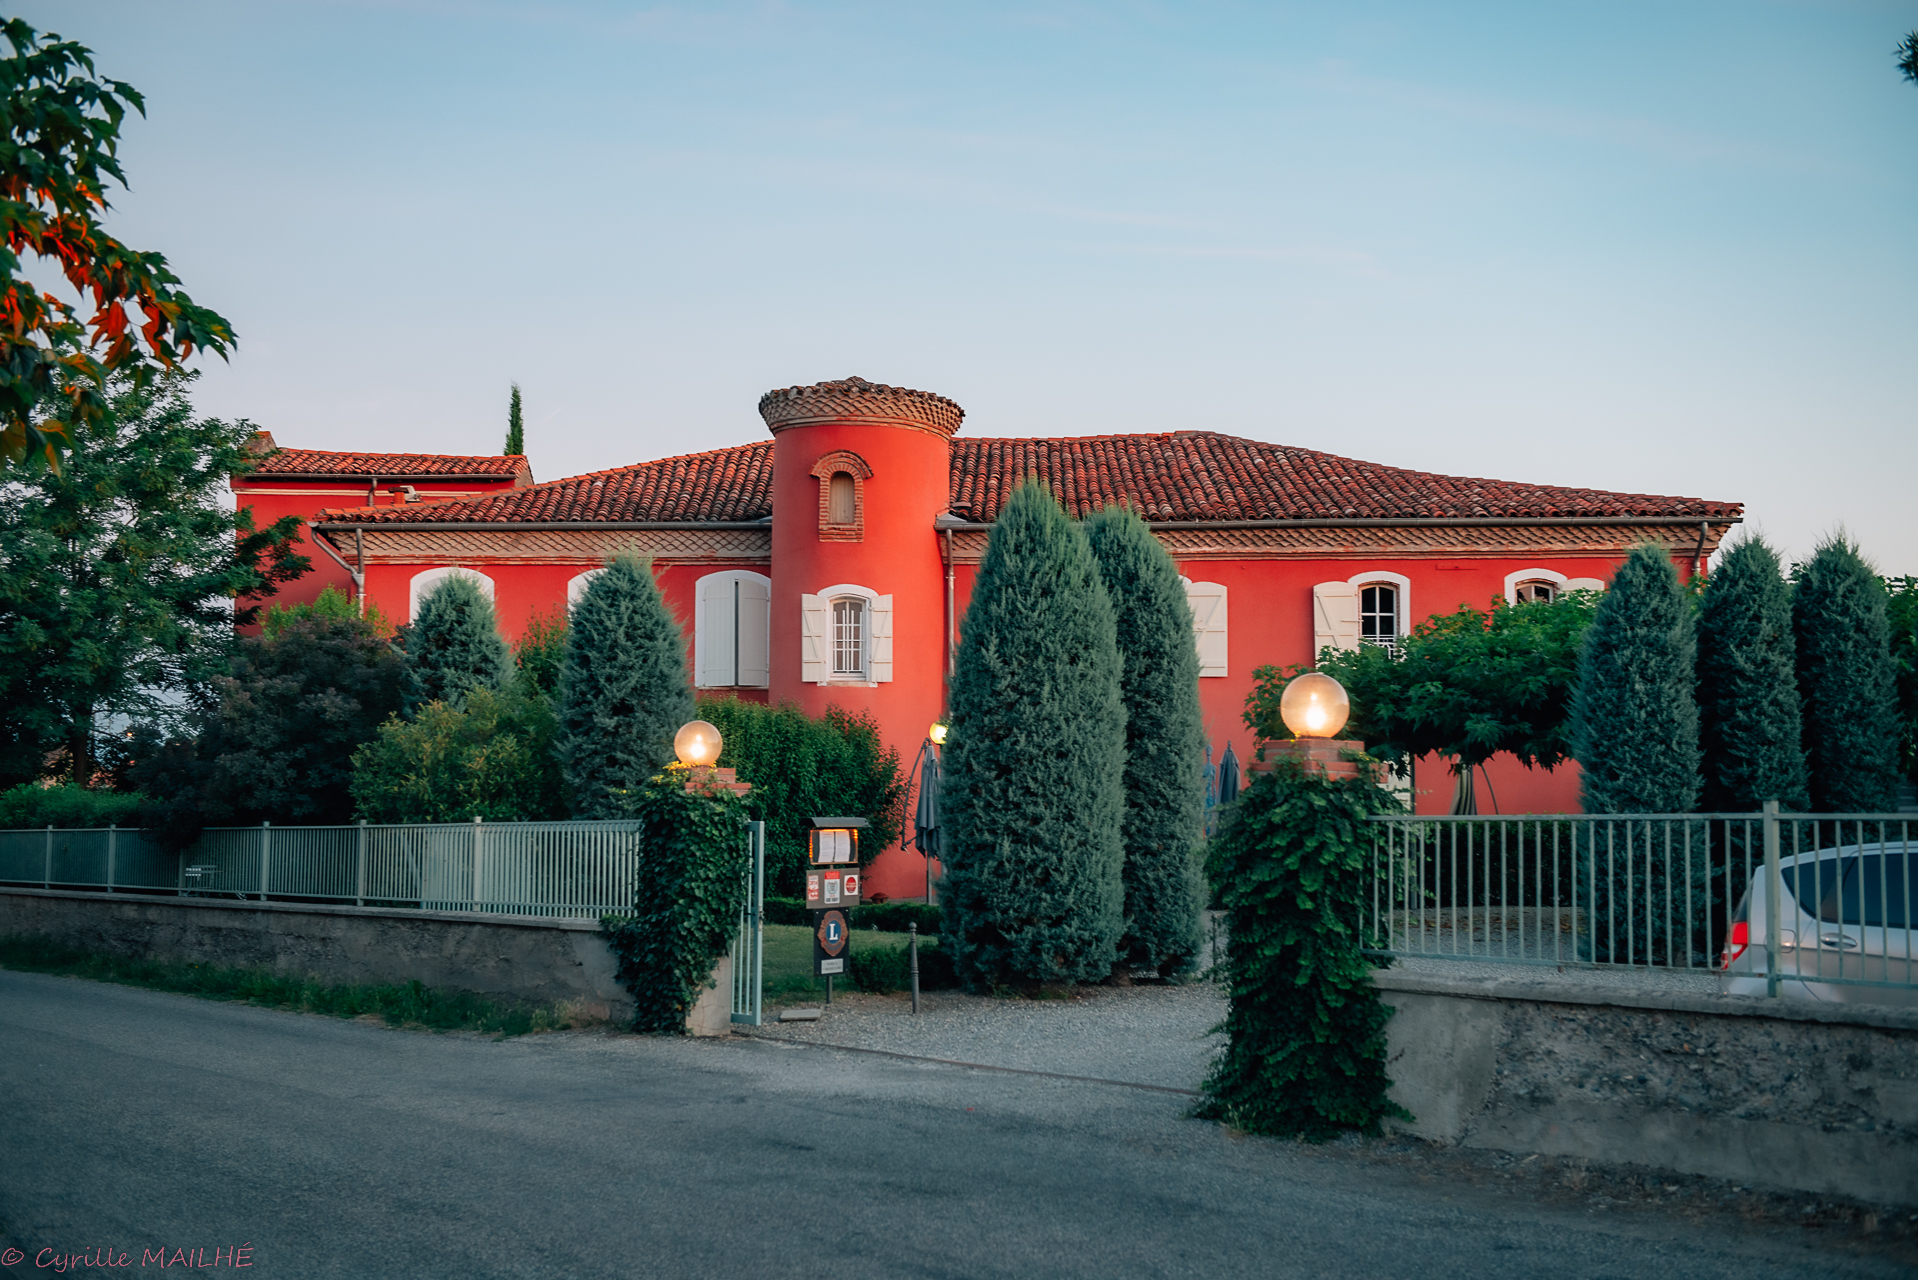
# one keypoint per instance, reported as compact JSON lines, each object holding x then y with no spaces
{"x":860,"y":473}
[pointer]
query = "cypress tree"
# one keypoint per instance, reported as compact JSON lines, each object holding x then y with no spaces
{"x":1634,"y":717}
{"x":453,"y":646}
{"x":1749,"y":729}
{"x":515,"y":429}
{"x":1164,"y":787}
{"x":1847,"y":681}
{"x":1033,"y":793}
{"x":623,"y":689}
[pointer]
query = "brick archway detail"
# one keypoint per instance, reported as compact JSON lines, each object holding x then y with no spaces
{"x":855,"y":466}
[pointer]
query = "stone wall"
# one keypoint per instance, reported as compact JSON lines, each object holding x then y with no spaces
{"x":1784,"y":1094}
{"x":533,"y":958}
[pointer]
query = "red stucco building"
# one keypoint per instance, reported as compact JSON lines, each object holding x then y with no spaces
{"x":833,"y":562}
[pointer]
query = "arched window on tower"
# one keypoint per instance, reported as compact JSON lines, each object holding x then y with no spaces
{"x":839,"y":501}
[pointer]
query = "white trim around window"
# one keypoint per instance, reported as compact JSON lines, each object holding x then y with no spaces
{"x":577,"y":584}
{"x":845,"y":636}
{"x":1557,"y":579}
{"x":424,"y":582}
{"x":1384,"y":578}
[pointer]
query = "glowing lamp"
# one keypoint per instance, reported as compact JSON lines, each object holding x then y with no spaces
{"x":1314,"y":706}
{"x":697,"y":743}
{"x":938,"y":735}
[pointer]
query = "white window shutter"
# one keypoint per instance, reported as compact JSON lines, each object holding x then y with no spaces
{"x":1208,"y":625}
{"x":713,"y":624}
{"x":1335,"y":617}
{"x":880,"y":662}
{"x":755,"y":633}
{"x":1581,"y":584}
{"x":815,"y":664}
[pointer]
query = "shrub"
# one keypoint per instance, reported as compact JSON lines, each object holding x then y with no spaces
{"x":331,"y":603}
{"x":32,"y":804}
{"x":1634,"y":718}
{"x":801,"y":767}
{"x":277,"y":742}
{"x":1164,"y":822}
{"x":686,"y":904}
{"x":1902,"y":611}
{"x":888,"y":968}
{"x":454,"y":646}
{"x":1847,"y":681}
{"x":1749,"y":729}
{"x":1034,"y":761}
{"x":1306,"y":1054}
{"x":624,"y":691}
{"x":541,"y":652}
{"x":491,"y":759}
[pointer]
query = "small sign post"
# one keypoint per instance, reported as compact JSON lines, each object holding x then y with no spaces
{"x":832,"y":891}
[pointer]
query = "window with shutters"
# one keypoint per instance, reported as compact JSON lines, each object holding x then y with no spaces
{"x":1207,"y":600}
{"x":842,"y":479}
{"x":732,"y":625}
{"x":1532,"y":591}
{"x":577,"y":584}
{"x":1367,"y":608}
{"x":1379,"y":614}
{"x":845,"y":636}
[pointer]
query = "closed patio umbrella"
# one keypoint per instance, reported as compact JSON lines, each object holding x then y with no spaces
{"x":1228,"y":776}
{"x":925,"y":815}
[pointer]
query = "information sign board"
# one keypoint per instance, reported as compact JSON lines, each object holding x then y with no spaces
{"x":831,"y":941}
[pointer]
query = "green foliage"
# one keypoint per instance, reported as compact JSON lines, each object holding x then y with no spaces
{"x":800,"y":767}
{"x":454,"y":647}
{"x":882,"y":969}
{"x":490,"y":759}
{"x":1470,"y":684}
{"x":118,"y":578}
{"x":515,"y":426}
{"x":33,"y":805}
{"x":686,"y":904}
{"x":1306,"y":1055}
{"x":1901,"y":611}
{"x":541,"y":652}
{"x":1164,"y":822}
{"x":275,"y":741}
{"x":1848,"y":682}
{"x":1033,"y":791}
{"x":624,"y":690}
{"x":331,"y":603}
{"x":411,"y":1004}
{"x":1907,"y":52}
{"x":61,"y":127}
{"x":1635,"y":717}
{"x":1749,"y":731}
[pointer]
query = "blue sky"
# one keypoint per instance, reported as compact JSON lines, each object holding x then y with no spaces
{"x":1660,"y":247}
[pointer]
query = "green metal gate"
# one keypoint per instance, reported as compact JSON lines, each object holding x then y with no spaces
{"x":749,"y":943}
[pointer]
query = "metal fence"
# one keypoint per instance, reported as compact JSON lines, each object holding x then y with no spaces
{"x":518,"y":868}
{"x":1670,"y":892}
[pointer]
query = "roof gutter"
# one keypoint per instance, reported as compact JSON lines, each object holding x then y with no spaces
{"x":357,"y":477}
{"x":1396,"y":522}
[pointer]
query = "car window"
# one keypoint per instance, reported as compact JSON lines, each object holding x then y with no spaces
{"x":1816,"y":886}
{"x":1879,"y":887}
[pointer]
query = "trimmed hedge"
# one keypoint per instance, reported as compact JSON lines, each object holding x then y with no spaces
{"x":887,"y":917}
{"x":32,"y":805}
{"x":883,"y":969}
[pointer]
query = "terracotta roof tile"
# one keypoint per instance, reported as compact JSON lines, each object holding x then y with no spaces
{"x":328,"y":462}
{"x":1183,"y":475}
{"x":723,"y":484}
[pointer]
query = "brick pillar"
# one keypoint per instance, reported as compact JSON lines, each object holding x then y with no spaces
{"x":1318,"y":755}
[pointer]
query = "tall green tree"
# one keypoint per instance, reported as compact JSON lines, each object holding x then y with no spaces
{"x":59,"y":139}
{"x":1749,"y":729}
{"x":454,"y":646}
{"x":118,"y":578}
{"x":1902,"y":609}
{"x":275,"y":741}
{"x":1034,"y":798}
{"x":1847,"y":680}
{"x":1164,"y":824}
{"x":515,"y":427}
{"x":489,"y":758}
{"x":1634,"y":719}
{"x":624,"y":690}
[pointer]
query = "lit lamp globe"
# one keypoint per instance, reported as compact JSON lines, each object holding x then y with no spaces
{"x":938,"y":735}
{"x":697,"y":743}
{"x":1314,"y":706}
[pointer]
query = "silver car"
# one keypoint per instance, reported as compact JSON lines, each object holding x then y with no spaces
{"x":1845,"y":928}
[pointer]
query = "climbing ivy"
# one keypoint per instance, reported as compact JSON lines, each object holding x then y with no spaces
{"x":686,"y":900}
{"x":1306,"y":1056}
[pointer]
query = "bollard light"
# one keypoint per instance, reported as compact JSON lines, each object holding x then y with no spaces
{"x":938,"y":734}
{"x":1314,"y":706}
{"x":697,"y":743}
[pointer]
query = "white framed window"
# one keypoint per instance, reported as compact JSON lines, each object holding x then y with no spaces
{"x":1544,"y":584}
{"x":1373,"y":607}
{"x":732,"y":630}
{"x":846,"y":636}
{"x":1207,"y":600}
{"x":424,"y":582}
{"x":576,"y":586}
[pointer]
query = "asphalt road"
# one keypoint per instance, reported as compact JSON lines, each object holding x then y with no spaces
{"x":135,"y":1121}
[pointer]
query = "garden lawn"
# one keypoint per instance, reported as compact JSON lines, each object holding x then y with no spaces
{"x":789,"y":959}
